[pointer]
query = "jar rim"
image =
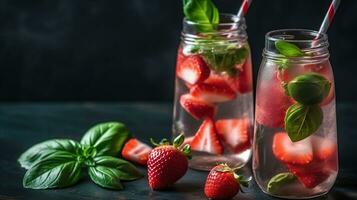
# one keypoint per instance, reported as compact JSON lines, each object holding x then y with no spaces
{"x":234,"y":20}
{"x":289,"y":35}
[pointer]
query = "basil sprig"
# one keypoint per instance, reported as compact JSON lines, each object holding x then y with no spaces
{"x":202,"y":12}
{"x":305,"y":117}
{"x":60,"y":162}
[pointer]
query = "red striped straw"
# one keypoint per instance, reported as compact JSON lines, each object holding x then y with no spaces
{"x":244,"y":8}
{"x":329,"y":16}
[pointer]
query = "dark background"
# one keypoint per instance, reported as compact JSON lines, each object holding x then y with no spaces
{"x":124,"y":50}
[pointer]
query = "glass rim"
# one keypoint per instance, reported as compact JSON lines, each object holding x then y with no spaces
{"x":316,"y":36}
{"x":234,"y":20}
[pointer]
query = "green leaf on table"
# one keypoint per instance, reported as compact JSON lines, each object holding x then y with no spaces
{"x":279,"y":180}
{"x":109,"y":171}
{"x":302,"y":120}
{"x":107,"y":138}
{"x":43,"y":149}
{"x":309,"y":89}
{"x":225,"y":60}
{"x":288,"y":49}
{"x":202,"y":12}
{"x":57,"y":170}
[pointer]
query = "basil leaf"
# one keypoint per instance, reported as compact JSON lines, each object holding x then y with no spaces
{"x":288,"y":49}
{"x":225,"y":60}
{"x":109,"y":171}
{"x":279,"y":180}
{"x":43,"y":149}
{"x":106,"y":138}
{"x":301,"y":121}
{"x":309,"y":89}
{"x":203,"y":12}
{"x":60,"y":169}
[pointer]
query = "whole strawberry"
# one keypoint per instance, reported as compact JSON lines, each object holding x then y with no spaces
{"x":167,"y":163}
{"x":223,"y":183}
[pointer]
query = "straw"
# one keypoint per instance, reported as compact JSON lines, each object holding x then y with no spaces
{"x":244,"y":8}
{"x":329,"y":16}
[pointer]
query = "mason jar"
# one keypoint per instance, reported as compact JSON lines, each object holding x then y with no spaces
{"x":213,"y":103}
{"x":295,"y":136}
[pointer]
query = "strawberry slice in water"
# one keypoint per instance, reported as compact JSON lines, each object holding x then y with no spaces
{"x":197,"y":108}
{"x":136,"y":151}
{"x":234,"y":133}
{"x":292,"y":152}
{"x":324,"y":148}
{"x":271,"y":104}
{"x":213,"y":92}
{"x":192,"y":70}
{"x":245,"y":78}
{"x":206,"y":138}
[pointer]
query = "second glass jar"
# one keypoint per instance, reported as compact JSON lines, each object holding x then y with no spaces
{"x":213,"y":104}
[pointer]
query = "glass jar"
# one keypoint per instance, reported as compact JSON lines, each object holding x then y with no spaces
{"x":213,"y":105}
{"x":295,"y":136}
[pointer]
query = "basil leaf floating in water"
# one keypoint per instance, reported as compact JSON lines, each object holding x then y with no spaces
{"x":288,"y":49}
{"x":109,"y":171}
{"x":202,"y":12}
{"x":309,"y":89}
{"x":107,"y":138}
{"x":280,"y":180}
{"x":60,"y":169}
{"x":302,"y":120}
{"x":46,"y":148}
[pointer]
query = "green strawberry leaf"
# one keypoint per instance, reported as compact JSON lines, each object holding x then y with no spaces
{"x":309,"y":89}
{"x":107,"y":138}
{"x":203,"y":12}
{"x":280,"y":180}
{"x":288,"y":49}
{"x":57,"y":170}
{"x":46,"y":148}
{"x":301,"y":121}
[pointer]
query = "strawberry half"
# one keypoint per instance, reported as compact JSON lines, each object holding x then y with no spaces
{"x":222,"y":79}
{"x":192,"y":70}
{"x":245,"y":77}
{"x":235,"y":133}
{"x":136,"y":151}
{"x":271,"y":104}
{"x":223,"y":183}
{"x":213,"y":92}
{"x":167,"y":163}
{"x":324,"y":148}
{"x":206,"y":138}
{"x":197,"y":108}
{"x":292,"y":152}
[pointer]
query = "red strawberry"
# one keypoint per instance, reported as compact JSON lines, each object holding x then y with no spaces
{"x":167,"y":163}
{"x":324,"y":148}
{"x":215,"y":92}
{"x":193,"y":70}
{"x":180,"y":57}
{"x":223,"y":183}
{"x":206,"y":138}
{"x":311,"y":180}
{"x":235,"y":133}
{"x":221,"y":79}
{"x":136,"y":151}
{"x":292,"y":152}
{"x":198,"y":109}
{"x":325,"y":70}
{"x":271,"y":104}
{"x":245,"y":77}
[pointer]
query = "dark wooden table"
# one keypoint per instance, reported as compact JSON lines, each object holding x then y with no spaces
{"x":22,"y":125}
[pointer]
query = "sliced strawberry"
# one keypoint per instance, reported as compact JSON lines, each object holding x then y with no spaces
{"x":311,"y":180}
{"x":197,"y":108}
{"x":213,"y":92}
{"x":222,"y":79}
{"x":180,"y":56}
{"x":206,"y":138}
{"x":192,"y":70}
{"x":325,"y":70}
{"x":234,"y":133}
{"x":324,"y":148}
{"x":271,"y":104}
{"x":292,"y":152}
{"x":136,"y":151}
{"x":245,"y":77}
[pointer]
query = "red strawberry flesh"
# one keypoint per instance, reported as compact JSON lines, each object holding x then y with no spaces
{"x":192,"y":70}
{"x":213,"y":92}
{"x":197,"y":108}
{"x":136,"y":151}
